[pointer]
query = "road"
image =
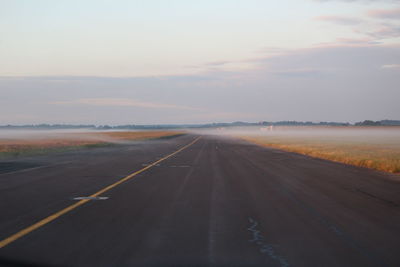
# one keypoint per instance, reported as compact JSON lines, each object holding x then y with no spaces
{"x":215,"y":202}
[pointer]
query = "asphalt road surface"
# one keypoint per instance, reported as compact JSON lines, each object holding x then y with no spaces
{"x":217,"y":202}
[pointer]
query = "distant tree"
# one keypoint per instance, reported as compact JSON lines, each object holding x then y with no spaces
{"x":390,"y":122}
{"x":368,"y":123}
{"x":105,"y":127}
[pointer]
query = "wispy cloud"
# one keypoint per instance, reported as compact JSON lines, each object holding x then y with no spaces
{"x":218,"y":116}
{"x":384,"y":31}
{"x":356,"y":41}
{"x":343,"y":20}
{"x":271,"y":50}
{"x":391,"y":66}
{"x":217,"y":63}
{"x":330,"y":59}
{"x":385,"y":13}
{"x":302,"y":84}
{"x":300,"y":72}
{"x":120,"y":102}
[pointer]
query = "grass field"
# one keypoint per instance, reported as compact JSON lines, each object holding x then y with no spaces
{"x":375,"y":148}
{"x":134,"y":136}
{"x":26,"y":145}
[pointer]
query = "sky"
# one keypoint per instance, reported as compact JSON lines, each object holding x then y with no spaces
{"x":188,"y":61}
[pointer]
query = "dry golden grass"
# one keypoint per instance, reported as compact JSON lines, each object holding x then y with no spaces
{"x":379,"y":154}
{"x":137,"y":135}
{"x":24,"y":145}
{"x":11,"y":146}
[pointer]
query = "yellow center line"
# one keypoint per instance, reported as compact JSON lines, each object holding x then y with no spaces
{"x":54,"y":216}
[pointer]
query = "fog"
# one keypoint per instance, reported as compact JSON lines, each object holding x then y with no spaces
{"x":381,"y":135}
{"x":16,"y":134}
{"x":389,"y":135}
{"x":61,"y":134}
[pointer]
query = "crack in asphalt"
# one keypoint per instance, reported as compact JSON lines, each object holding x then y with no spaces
{"x":264,"y":247}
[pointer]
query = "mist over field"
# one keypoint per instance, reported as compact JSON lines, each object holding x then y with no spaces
{"x":22,"y":142}
{"x":355,"y":134}
{"x":40,"y":133}
{"x":372,"y":147}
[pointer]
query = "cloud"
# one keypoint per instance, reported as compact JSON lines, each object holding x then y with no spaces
{"x":349,"y":42}
{"x":385,"y":13}
{"x":350,"y":80}
{"x":356,"y":41}
{"x":218,"y":116}
{"x":224,"y":67}
{"x":323,"y":61}
{"x":391,"y":66}
{"x":217,"y":63}
{"x":120,"y":102}
{"x":339,"y":20}
{"x":271,"y":50}
{"x":385,"y":31}
{"x":300,"y":72}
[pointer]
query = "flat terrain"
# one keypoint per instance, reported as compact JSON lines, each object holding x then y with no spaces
{"x":16,"y":143}
{"x":218,"y":202}
{"x":371,"y":147}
